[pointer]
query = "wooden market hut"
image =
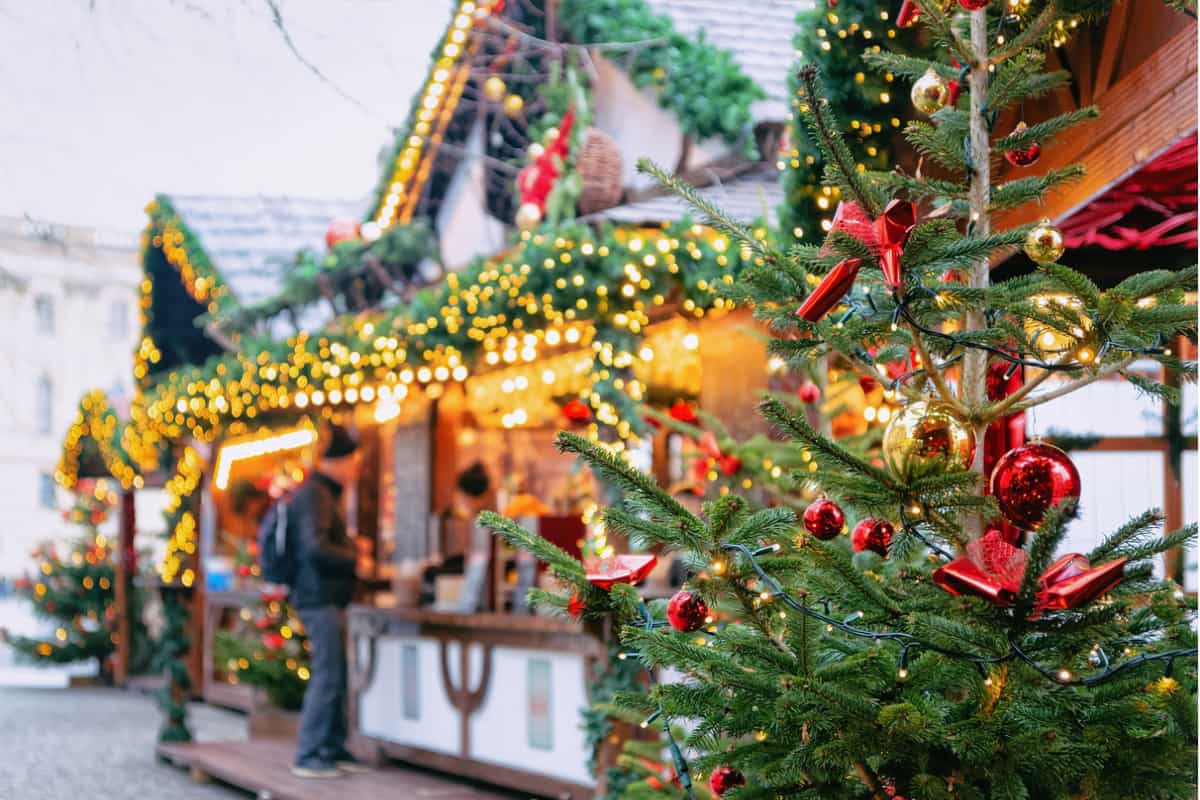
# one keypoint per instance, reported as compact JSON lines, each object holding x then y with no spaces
{"x":227,"y":359}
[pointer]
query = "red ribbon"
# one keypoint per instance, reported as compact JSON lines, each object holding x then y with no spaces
{"x":994,"y":569}
{"x":620,"y":569}
{"x":892,"y":229}
{"x":535,"y":181}
{"x":830,"y":290}
{"x":908,"y":14}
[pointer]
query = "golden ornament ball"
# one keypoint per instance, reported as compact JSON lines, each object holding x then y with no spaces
{"x":1044,"y":243}
{"x":494,"y":89}
{"x":925,"y":438}
{"x":513,"y":105}
{"x":528,"y":216}
{"x":930,"y":93}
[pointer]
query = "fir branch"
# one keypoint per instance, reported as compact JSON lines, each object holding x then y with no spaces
{"x":565,"y":565}
{"x":611,"y":467}
{"x":1046,"y":130}
{"x":1030,"y":36}
{"x":1018,"y":192}
{"x":714,"y":217}
{"x":837,"y":155}
{"x":799,"y":430}
{"x":1049,"y":534}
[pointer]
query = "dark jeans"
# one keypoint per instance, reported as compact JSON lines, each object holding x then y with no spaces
{"x":322,"y":735}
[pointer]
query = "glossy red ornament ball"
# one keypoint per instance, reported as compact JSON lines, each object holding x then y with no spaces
{"x":1030,"y":479}
{"x":687,"y":611}
{"x":824,"y":519}
{"x":1024,"y":156}
{"x":809,"y":392}
{"x":683,"y":412}
{"x":973,"y":5}
{"x":872,"y":534}
{"x":725,"y":778}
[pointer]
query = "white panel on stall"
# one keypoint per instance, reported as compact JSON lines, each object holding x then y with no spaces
{"x":1189,"y":411}
{"x":402,"y":666}
{"x":1187,"y":482}
{"x":1115,"y":486}
{"x":534,"y":698}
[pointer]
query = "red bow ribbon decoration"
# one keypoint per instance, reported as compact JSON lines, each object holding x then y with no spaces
{"x":608,"y":572}
{"x":994,"y":569}
{"x":892,"y":229}
{"x":729,"y":464}
{"x":886,"y":238}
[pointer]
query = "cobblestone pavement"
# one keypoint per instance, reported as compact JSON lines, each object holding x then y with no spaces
{"x":80,"y":744}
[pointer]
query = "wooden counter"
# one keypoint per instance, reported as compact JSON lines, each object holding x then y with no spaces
{"x":495,"y":697}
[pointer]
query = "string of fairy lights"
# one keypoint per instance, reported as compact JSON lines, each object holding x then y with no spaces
{"x":96,"y":421}
{"x":178,"y":563}
{"x":551,"y":294}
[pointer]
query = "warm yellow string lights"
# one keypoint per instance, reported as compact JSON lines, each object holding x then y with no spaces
{"x":261,"y":444}
{"x":178,"y":564}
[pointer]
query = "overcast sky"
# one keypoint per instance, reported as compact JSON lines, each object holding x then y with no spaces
{"x":105,"y":102}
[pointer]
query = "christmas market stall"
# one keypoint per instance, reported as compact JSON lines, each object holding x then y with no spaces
{"x":455,"y":378}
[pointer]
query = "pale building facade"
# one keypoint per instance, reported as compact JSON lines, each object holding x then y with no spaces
{"x":69,"y":316}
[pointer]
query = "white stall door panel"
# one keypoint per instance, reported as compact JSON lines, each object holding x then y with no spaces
{"x":1115,"y":486}
{"x":406,"y":702}
{"x":530,"y":717}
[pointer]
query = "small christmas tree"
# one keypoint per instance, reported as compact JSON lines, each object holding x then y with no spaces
{"x":944,"y":649}
{"x":77,"y":589}
{"x":267,"y":649}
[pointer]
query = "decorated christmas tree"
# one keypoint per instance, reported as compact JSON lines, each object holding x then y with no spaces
{"x":267,"y":649}
{"x":918,"y":631}
{"x":76,"y":590}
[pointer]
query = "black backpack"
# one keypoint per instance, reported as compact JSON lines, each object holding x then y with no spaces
{"x":277,"y":546}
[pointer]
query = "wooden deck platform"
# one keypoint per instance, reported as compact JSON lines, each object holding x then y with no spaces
{"x":261,"y":767}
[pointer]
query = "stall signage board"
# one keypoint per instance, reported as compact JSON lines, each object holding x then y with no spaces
{"x":410,"y":672}
{"x":539,"y":690}
{"x":411,"y":489}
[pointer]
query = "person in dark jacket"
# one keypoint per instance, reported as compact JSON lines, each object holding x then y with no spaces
{"x":322,"y":588}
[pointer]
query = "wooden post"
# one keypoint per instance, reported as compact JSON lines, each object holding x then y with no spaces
{"x":125,"y":567}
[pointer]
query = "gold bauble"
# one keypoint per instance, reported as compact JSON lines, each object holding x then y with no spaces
{"x":1044,"y":243}
{"x":926,"y":438}
{"x":930,"y":93}
{"x":528,"y":216}
{"x":513,"y":104}
{"x":494,"y":89}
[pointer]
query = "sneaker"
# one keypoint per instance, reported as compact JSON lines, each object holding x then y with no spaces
{"x":346,"y":762}
{"x":316,"y":769}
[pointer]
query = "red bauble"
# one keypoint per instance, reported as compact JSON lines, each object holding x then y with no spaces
{"x":576,"y":410}
{"x":244,"y":571}
{"x":272,"y":641}
{"x":1028,"y":480}
{"x":687,"y":612}
{"x":683,"y":412}
{"x":341,"y":231}
{"x":809,"y":392}
{"x":872,"y":534}
{"x":823,"y":519}
{"x":729,"y":465}
{"x":1025,"y":156}
{"x":867,"y":383}
{"x":725,"y":778}
{"x":973,"y":5}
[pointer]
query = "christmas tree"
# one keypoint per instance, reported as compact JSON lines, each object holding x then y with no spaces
{"x":267,"y":649}
{"x":76,"y":590}
{"x":945,"y":648}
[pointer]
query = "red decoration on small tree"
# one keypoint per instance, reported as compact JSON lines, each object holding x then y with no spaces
{"x":809,"y":392}
{"x":683,"y":412}
{"x":1022,"y":156}
{"x":339,"y":231}
{"x":620,"y":569}
{"x":535,"y":182}
{"x":576,"y":410}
